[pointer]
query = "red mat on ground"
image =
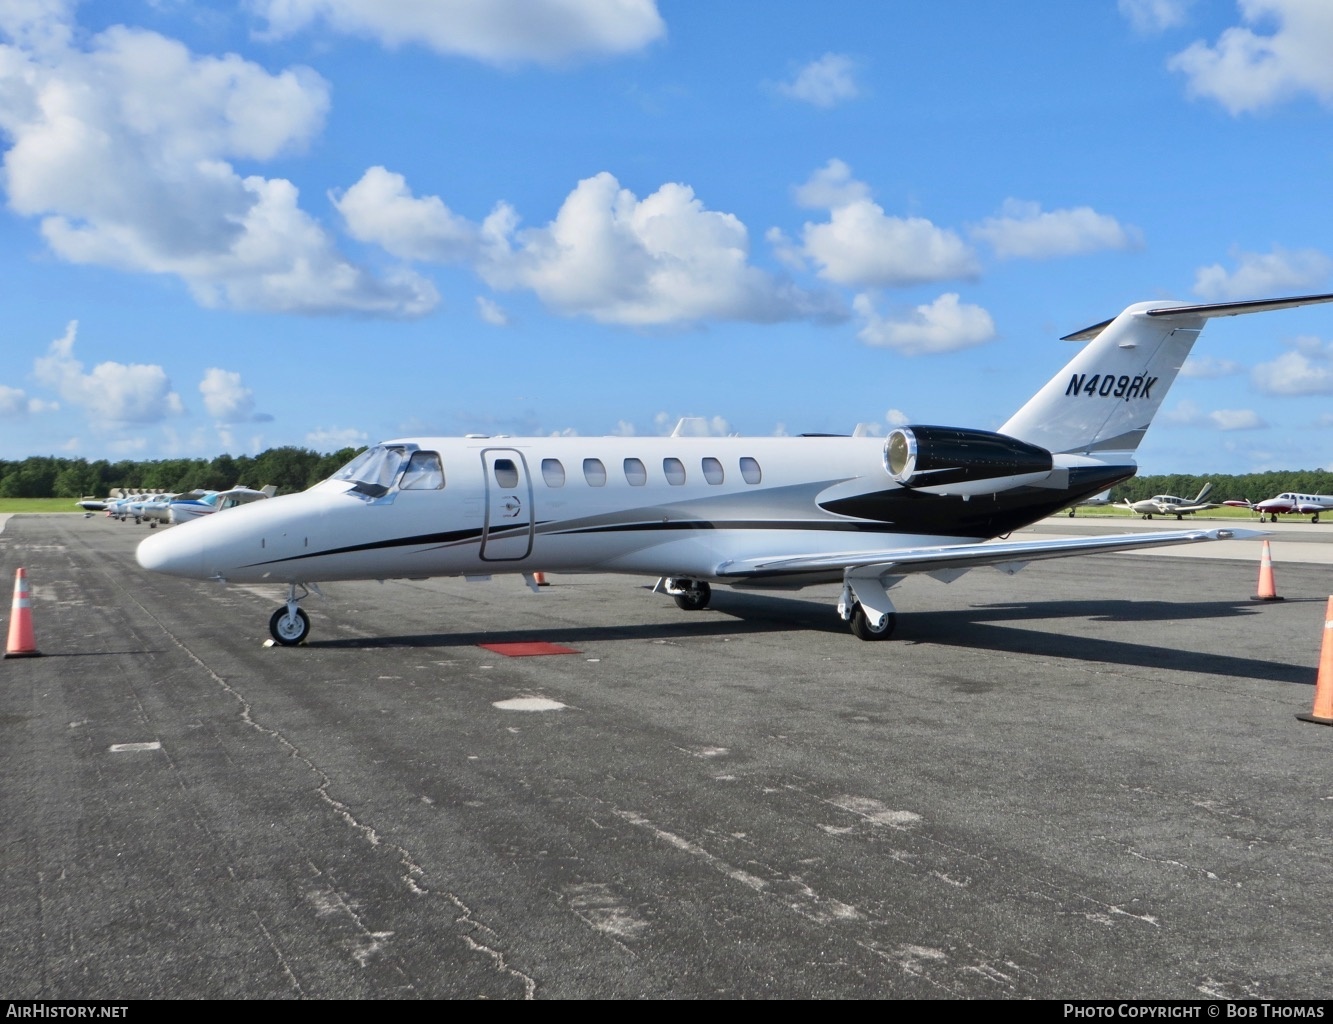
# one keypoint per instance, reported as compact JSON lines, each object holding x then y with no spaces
{"x":527,"y":649}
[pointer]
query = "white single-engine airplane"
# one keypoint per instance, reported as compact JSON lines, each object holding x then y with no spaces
{"x":1170,"y":505}
{"x":782,"y":512}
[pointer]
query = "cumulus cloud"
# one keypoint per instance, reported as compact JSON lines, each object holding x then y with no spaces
{"x":1306,"y":370}
{"x":1189,"y":414}
{"x":1248,"y":70}
{"x":1259,"y":274}
{"x":1155,"y":15}
{"x":495,"y":31}
{"x":123,"y":145}
{"x":380,"y":208}
{"x":665,"y":259}
{"x":861,"y":245}
{"x":113,"y":394}
{"x":228,"y":400}
{"x":692,"y":426}
{"x":1209,"y":367}
{"x":1236,"y":419}
{"x":492,"y":312}
{"x":825,"y":82}
{"x":1023,"y":229}
{"x":15,"y":402}
{"x":334,"y":439}
{"x":944,"y":325}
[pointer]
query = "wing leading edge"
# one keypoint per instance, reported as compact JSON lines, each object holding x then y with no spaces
{"x":957,"y":558}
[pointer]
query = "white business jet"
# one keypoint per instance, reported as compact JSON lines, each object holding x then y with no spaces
{"x":780,"y":512}
{"x":1170,"y":505}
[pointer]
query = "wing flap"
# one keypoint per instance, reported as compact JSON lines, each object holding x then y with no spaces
{"x":940,"y":560}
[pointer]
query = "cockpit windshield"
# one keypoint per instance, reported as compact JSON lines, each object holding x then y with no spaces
{"x":373,"y":471}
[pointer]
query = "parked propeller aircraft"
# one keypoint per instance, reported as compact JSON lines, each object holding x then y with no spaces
{"x":1288,"y":501}
{"x":1170,"y":505}
{"x":780,"y":512}
{"x":196,"y":504}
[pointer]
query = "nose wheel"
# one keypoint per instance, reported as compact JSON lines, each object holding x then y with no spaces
{"x":290,"y":625}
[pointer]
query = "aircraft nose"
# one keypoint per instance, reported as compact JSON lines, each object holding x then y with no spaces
{"x":175,"y":553}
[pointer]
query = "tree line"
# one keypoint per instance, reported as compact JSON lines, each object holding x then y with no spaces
{"x":289,"y":469}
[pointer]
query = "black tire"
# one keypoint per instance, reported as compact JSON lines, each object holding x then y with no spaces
{"x":285,"y":630}
{"x":861,"y":625}
{"x":695,"y":599}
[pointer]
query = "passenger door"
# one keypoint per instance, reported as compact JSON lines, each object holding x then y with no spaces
{"x":507,"y":530}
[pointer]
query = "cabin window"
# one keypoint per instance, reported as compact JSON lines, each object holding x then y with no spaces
{"x":750,"y":471}
{"x":506,"y":473}
{"x":636,"y":472}
{"x":594,"y":472}
{"x":553,"y":472}
{"x":713,"y":470}
{"x":423,"y":473}
{"x":674,"y":470}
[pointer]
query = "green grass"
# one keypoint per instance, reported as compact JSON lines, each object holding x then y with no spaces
{"x":40,"y":505}
{"x":1114,"y":511}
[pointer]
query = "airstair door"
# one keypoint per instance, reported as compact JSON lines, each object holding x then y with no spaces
{"x":507,"y":533}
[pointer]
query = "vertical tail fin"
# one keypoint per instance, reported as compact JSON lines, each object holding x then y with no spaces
{"x":1106,"y":396}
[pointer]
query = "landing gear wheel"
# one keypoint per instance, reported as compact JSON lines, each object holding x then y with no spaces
{"x":862,"y":629}
{"x":288,"y":629}
{"x":695,"y":598}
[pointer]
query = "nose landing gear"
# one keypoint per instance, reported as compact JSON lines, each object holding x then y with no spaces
{"x":290,"y":625}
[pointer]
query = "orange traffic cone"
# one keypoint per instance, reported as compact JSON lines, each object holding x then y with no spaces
{"x":1322,"y":714}
{"x":21,"y":643}
{"x":540,"y":578}
{"x":1267,"y":589}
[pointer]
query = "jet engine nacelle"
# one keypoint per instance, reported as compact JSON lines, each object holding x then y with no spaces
{"x":953,"y":460}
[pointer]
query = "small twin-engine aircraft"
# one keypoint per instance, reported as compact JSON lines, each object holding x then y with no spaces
{"x":779,"y":512}
{"x":1170,"y":505}
{"x":1289,"y":501}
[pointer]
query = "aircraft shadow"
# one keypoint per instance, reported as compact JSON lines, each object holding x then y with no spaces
{"x":692,"y":625}
{"x":998,"y":627}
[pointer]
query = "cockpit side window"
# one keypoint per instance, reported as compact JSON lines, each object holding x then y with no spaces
{"x":372,"y":472}
{"x":423,"y":473}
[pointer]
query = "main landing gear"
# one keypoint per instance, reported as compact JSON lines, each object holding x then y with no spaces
{"x":290,"y":625}
{"x":863,"y":629}
{"x":865,"y":606}
{"x":689,"y":595}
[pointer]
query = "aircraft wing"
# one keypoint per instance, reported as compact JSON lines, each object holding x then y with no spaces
{"x":953,"y":559}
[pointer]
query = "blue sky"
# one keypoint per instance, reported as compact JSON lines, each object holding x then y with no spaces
{"x":321,"y":223}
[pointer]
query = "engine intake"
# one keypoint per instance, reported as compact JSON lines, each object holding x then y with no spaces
{"x":935,"y":457}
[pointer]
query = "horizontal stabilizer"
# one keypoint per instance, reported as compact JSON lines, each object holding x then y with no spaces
{"x":1210,"y":309}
